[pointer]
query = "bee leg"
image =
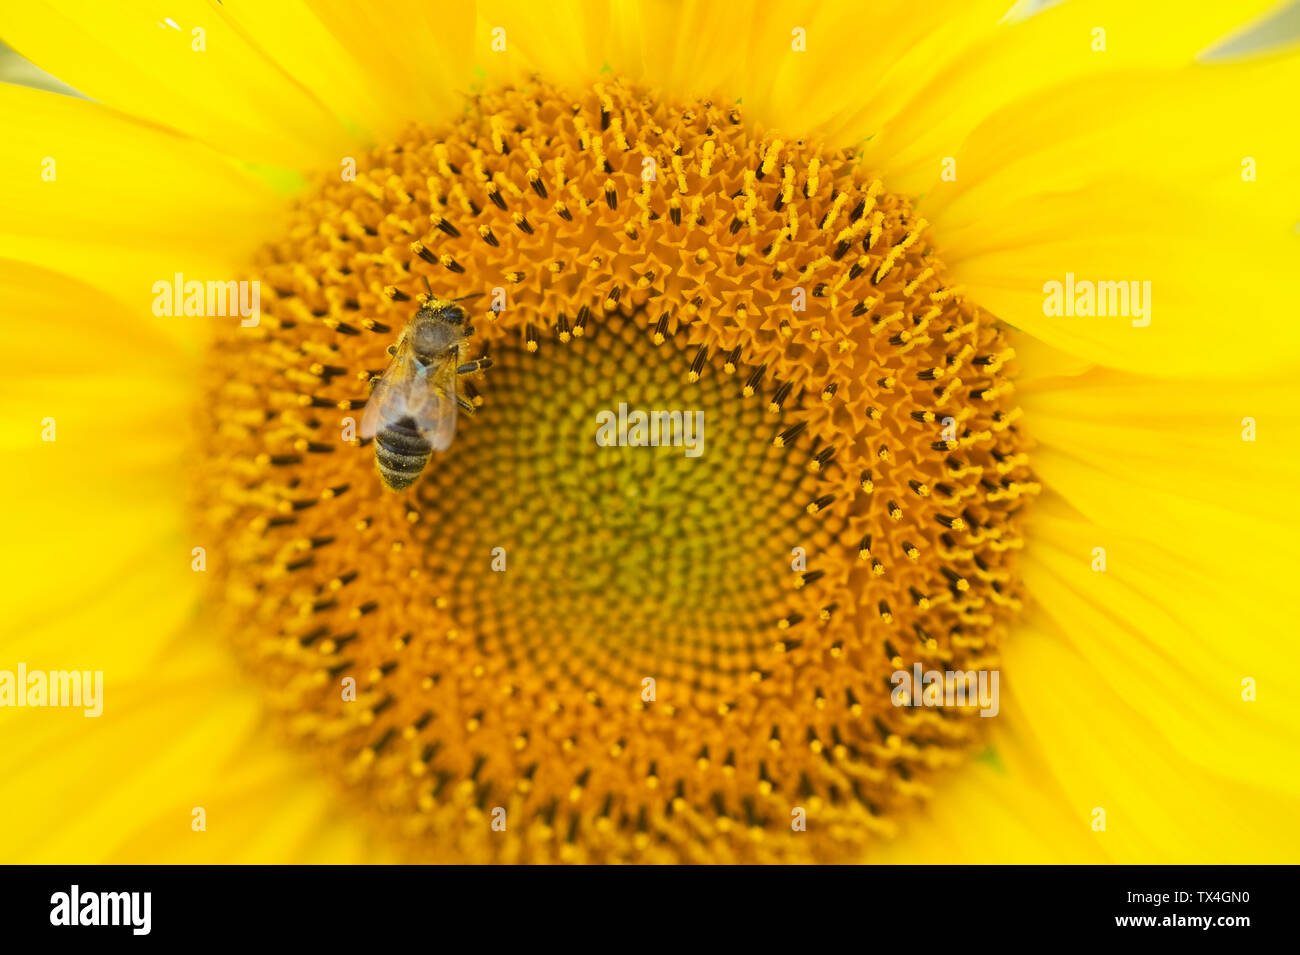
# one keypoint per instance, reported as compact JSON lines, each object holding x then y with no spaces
{"x":466,"y":405}
{"x":472,"y":366}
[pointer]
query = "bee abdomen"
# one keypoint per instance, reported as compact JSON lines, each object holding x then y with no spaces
{"x":401,"y":454}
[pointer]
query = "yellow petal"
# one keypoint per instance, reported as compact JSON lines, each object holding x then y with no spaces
{"x":1175,"y":641}
{"x":118,"y":203}
{"x":1095,"y":740}
{"x":1198,"y":538}
{"x":188,"y":734}
{"x":93,"y":415}
{"x":999,"y":808}
{"x":1137,"y":178}
{"x":419,"y":57}
{"x":146,"y":61}
{"x":1172,"y":461}
{"x":567,"y":42}
{"x":991,"y":63}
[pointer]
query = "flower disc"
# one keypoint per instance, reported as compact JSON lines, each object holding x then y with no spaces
{"x":552,"y":648}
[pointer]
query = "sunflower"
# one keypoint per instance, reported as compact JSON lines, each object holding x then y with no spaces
{"x":948,"y":318}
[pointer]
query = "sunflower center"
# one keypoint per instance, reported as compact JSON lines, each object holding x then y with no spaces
{"x":567,"y":641}
{"x":659,"y":538}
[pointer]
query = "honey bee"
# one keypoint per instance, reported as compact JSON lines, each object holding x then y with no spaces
{"x":412,"y":409}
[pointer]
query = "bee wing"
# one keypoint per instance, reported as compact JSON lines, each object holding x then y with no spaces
{"x":389,"y":399}
{"x":433,"y":408}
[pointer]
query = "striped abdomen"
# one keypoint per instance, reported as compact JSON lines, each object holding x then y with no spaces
{"x":401,"y":454}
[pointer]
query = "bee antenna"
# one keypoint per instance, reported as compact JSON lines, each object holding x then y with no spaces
{"x":467,"y":297}
{"x":427,"y":285}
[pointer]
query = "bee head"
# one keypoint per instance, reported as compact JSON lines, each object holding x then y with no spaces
{"x":437,"y":328}
{"x":437,"y":309}
{"x":453,"y":313}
